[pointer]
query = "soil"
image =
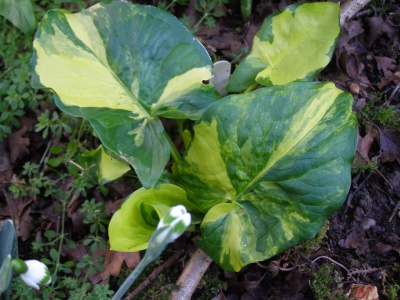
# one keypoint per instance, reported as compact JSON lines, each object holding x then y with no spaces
{"x":363,"y":238}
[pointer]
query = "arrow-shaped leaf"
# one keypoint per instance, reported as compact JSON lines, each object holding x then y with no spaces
{"x":294,"y":45}
{"x":121,"y":66}
{"x":268,"y":168}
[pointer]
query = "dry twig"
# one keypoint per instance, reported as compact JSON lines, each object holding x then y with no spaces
{"x":350,"y":8}
{"x":191,"y":275}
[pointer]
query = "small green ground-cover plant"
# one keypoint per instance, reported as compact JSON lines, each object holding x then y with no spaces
{"x":325,"y":283}
{"x":43,"y":179}
{"x":263,"y":169}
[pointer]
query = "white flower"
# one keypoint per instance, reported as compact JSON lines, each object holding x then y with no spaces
{"x":176,"y":222}
{"x":37,"y":274}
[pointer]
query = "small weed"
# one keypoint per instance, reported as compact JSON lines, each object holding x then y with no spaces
{"x":33,"y":183}
{"x":392,"y":291}
{"x":167,"y":5}
{"x":55,"y":124}
{"x":20,"y":291}
{"x":16,"y":93}
{"x":386,"y":116}
{"x":360,"y":165}
{"x":238,"y":56}
{"x":77,"y":283}
{"x":324,"y":284}
{"x":209,"y":10}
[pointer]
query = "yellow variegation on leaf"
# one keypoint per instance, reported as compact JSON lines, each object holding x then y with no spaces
{"x":122,"y":66}
{"x":267,"y":168}
{"x":294,"y":45}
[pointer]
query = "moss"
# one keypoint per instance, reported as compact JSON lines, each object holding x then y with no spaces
{"x":392,"y":292}
{"x":325,"y":283}
{"x":386,"y":116}
{"x":360,"y":165}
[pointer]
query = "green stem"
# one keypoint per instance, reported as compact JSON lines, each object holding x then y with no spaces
{"x":196,"y":27}
{"x":132,"y":277}
{"x":62,"y":236}
{"x":174,"y":152}
{"x":169,"y":5}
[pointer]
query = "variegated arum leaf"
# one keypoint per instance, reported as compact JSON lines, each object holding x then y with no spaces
{"x":121,"y":66}
{"x":268,"y":167}
{"x":294,"y":45}
{"x":20,"y":13}
{"x":132,"y":225}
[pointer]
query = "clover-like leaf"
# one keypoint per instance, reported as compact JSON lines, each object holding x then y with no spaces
{"x":294,"y":45}
{"x":132,"y":225}
{"x":121,"y":66}
{"x":268,"y":167}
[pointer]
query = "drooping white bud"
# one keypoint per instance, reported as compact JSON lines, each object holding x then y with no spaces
{"x":35,"y":274}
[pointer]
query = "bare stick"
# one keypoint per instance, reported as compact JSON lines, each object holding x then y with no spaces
{"x":396,"y":209}
{"x":191,"y":275}
{"x":350,"y":8}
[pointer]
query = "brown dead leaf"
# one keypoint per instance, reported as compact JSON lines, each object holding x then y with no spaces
{"x":355,"y":240}
{"x":364,"y":144}
{"x":363,"y":292}
{"x":21,"y":209}
{"x":18,"y":144}
{"x":5,"y":165}
{"x":387,"y":66}
{"x":349,"y":33}
{"x":390,"y":145}
{"x":381,"y":249}
{"x":113,"y":263}
{"x":227,"y":42}
{"x":377,"y":27}
{"x":112,"y":206}
{"x":350,"y":51}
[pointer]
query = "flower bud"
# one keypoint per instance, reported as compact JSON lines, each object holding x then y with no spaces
{"x":176,"y":220}
{"x":33,"y":272}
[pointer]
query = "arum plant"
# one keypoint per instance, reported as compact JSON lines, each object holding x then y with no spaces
{"x":171,"y":226}
{"x":262,"y":169}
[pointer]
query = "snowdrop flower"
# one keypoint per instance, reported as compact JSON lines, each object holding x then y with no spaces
{"x":33,"y":272}
{"x":175,"y":221}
